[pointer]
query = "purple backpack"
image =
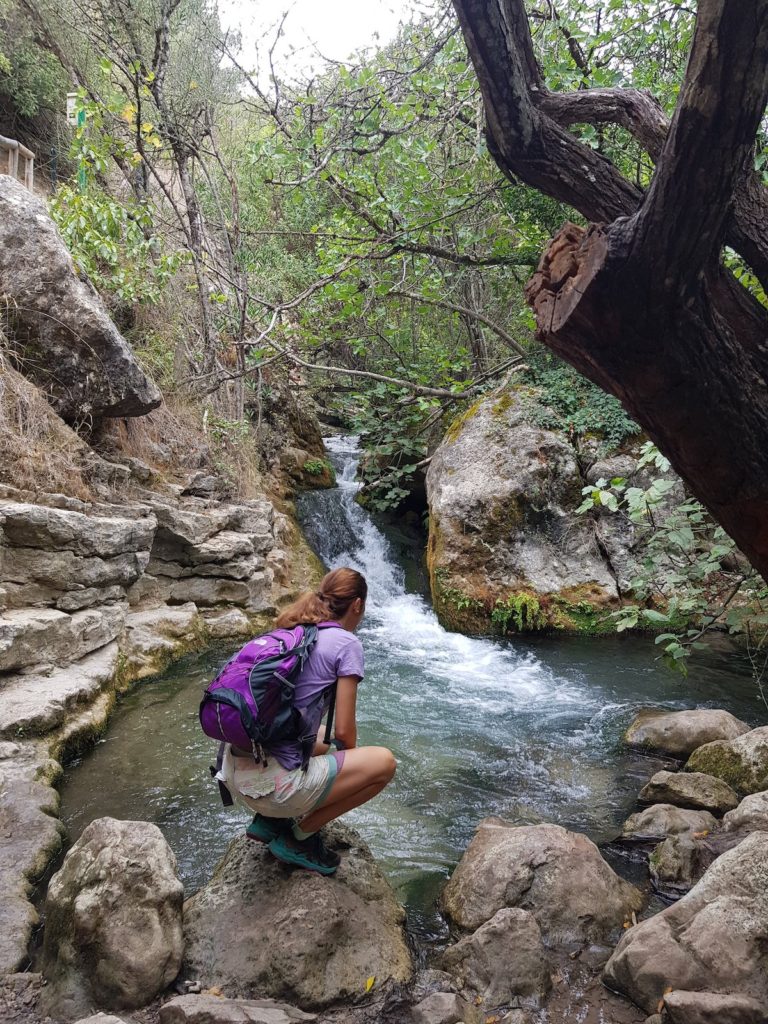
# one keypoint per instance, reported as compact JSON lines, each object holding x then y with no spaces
{"x":250,"y":702}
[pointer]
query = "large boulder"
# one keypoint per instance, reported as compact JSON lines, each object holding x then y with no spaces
{"x":503,"y":960}
{"x":679,"y":733}
{"x":556,"y":875}
{"x":741,"y":762}
{"x":715,"y":939}
{"x":504,"y":535}
{"x":57,"y":322}
{"x":113,"y":935}
{"x":690,"y":789}
{"x":261,"y":928}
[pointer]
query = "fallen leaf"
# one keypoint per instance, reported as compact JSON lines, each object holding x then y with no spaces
{"x":370,"y":983}
{"x":214,"y":991}
{"x":700,"y":835}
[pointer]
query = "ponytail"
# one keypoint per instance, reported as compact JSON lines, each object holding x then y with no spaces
{"x":331,"y":601}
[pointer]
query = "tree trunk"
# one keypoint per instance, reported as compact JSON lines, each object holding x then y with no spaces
{"x":641,"y":304}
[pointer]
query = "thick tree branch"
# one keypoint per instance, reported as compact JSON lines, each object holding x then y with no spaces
{"x":524,"y":142}
{"x":681,"y":225}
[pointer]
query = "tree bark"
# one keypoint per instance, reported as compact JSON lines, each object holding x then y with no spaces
{"x":640,"y":303}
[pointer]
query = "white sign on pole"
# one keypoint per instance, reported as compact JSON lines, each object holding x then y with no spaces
{"x":72,"y":108}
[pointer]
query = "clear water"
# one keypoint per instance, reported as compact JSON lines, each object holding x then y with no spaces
{"x":528,"y":730}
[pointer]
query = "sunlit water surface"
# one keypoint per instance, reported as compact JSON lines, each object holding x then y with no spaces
{"x":528,"y":729}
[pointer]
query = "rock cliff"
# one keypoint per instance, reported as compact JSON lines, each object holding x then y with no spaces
{"x":56,"y":321}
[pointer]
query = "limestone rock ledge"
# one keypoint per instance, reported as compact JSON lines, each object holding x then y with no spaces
{"x":92,"y":598}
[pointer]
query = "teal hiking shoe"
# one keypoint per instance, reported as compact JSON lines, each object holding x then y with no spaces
{"x":311,"y":854}
{"x":264,"y":829}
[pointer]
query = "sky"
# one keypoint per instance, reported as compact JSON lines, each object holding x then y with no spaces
{"x":313,"y":29}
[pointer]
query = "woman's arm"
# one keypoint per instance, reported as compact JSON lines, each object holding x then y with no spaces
{"x":345,"y":726}
{"x":345,"y":729}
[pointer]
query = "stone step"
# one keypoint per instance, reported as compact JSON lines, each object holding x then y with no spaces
{"x":36,"y":704}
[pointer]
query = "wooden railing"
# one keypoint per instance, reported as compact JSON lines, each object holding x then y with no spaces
{"x":14,"y":151}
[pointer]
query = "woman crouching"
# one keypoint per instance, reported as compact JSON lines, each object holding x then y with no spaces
{"x":291,"y":804}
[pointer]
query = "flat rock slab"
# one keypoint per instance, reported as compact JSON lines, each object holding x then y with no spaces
{"x":25,"y":525}
{"x":713,"y":1008}
{"x":31,"y":705}
{"x":444,"y":1008}
{"x":34,"y":636}
{"x":208,"y":1009}
{"x":73,"y":349}
{"x":715,"y":939}
{"x":679,"y":733}
{"x":262,"y":928}
{"x":742,"y":762}
{"x":557,"y":875}
{"x":690,"y":789}
{"x":661,"y":820}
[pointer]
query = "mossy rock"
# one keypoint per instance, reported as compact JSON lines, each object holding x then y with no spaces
{"x":742,"y":762}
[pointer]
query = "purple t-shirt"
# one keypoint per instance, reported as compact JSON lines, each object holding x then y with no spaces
{"x":336,"y":653}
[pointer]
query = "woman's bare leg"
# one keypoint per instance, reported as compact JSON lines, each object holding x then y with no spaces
{"x":366,"y":771}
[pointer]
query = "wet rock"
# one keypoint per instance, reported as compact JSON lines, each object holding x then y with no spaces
{"x":679,"y":733}
{"x":715,"y":939}
{"x":690,"y":789}
{"x":677,"y":864}
{"x":503,"y":495}
{"x":742,"y":762}
{"x":661,"y":820}
{"x":155,"y":636}
{"x":113,"y":935}
{"x":56,"y":321}
{"x":334,"y":933}
{"x":209,"y":1009}
{"x":502,"y":960}
{"x":444,"y":1008}
{"x":750,"y":816}
{"x":559,"y":876}
{"x":712,"y":1008}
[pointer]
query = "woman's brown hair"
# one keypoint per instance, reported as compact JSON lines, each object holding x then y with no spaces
{"x":332,"y":600}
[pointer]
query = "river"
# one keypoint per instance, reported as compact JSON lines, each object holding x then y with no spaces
{"x":528,"y":729}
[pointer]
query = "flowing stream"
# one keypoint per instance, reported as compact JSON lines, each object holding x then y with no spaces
{"x":530,"y":730}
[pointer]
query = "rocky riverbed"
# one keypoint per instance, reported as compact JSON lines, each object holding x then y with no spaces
{"x":542,"y":928}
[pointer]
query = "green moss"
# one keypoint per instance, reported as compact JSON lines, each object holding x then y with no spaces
{"x":454,"y":427}
{"x":520,"y":612}
{"x":501,"y":405}
{"x":719,"y":760}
